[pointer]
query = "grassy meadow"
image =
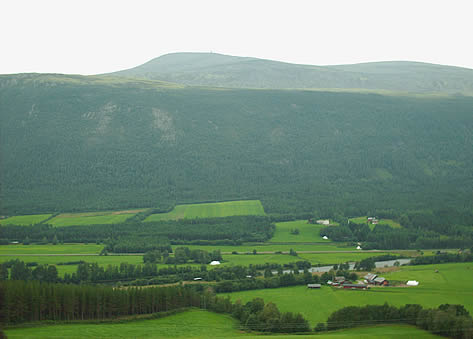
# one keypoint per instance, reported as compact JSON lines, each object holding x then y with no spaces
{"x":452,"y":284}
{"x":25,"y":220}
{"x":198,"y":324}
{"x":307,"y":232}
{"x":92,"y":218}
{"x":211,"y":210}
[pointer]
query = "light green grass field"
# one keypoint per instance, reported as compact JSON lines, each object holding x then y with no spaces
{"x":211,"y":210}
{"x":250,"y":259}
{"x":92,"y":218}
{"x":307,"y":232}
{"x":50,"y":249}
{"x":451,"y":285}
{"x":25,"y":219}
{"x":198,"y":324}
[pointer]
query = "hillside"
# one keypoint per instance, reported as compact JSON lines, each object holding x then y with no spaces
{"x":74,"y":143}
{"x":210,"y":69}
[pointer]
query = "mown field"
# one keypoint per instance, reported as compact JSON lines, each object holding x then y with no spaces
{"x":92,"y":218}
{"x":211,"y":210}
{"x":25,"y":219}
{"x":197,"y":324}
{"x":307,"y":232}
{"x":452,"y":284}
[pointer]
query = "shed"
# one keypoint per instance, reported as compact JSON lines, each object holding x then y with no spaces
{"x":380,"y":281}
{"x":358,"y":247}
{"x":325,"y":237}
{"x":215,"y":262}
{"x":340,"y":279}
{"x":196,"y":279}
{"x":412,"y":283}
{"x":313,"y":285}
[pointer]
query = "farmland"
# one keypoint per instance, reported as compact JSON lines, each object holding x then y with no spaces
{"x":451,"y":285}
{"x":306,"y":232}
{"x":211,"y":210}
{"x":64,"y":249}
{"x":25,"y":219}
{"x":92,"y":218}
{"x":364,"y":220}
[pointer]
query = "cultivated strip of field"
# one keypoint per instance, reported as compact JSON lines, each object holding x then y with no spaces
{"x":211,"y":210}
{"x":452,"y":285}
{"x":25,"y":219}
{"x":50,"y":249}
{"x":92,"y":218}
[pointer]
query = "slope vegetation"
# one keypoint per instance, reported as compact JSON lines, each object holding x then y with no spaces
{"x":209,"y":69}
{"x":72,"y":143}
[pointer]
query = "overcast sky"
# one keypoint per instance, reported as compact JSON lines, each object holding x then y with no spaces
{"x":90,"y":37}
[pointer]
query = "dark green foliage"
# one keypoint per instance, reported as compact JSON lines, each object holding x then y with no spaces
{"x":452,"y":321}
{"x":140,"y":237}
{"x":75,"y":143}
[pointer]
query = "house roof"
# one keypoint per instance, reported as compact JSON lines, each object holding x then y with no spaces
{"x":370,"y":276}
{"x":379,"y":279}
{"x":314,"y":285}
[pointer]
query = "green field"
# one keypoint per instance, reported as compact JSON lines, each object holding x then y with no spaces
{"x":211,"y":210}
{"x":364,"y":220}
{"x":451,"y":285}
{"x":25,"y":219}
{"x":338,"y":258}
{"x":197,"y":324}
{"x":307,"y":232}
{"x":50,"y":249}
{"x":92,"y":218}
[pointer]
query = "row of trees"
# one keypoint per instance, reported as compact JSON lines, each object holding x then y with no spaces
{"x":35,"y":301}
{"x":141,"y":236}
{"x":452,"y":321}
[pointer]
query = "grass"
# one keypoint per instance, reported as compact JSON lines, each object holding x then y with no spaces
{"x":363,"y":220}
{"x":92,"y":218}
{"x":451,"y":285}
{"x":50,"y":249}
{"x":211,"y":210}
{"x":25,"y":219}
{"x":198,"y":324}
{"x":271,"y":248}
{"x":307,"y":232}
{"x":191,"y":324}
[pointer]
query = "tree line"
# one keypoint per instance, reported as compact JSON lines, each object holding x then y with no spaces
{"x":452,"y":321}
{"x":31,"y":301}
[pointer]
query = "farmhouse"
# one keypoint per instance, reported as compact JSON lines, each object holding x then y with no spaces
{"x":381,"y":281}
{"x":340,"y":279}
{"x":323,"y":222}
{"x":313,"y":285}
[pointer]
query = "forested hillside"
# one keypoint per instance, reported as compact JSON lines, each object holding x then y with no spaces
{"x":211,"y":69}
{"x":75,"y":143}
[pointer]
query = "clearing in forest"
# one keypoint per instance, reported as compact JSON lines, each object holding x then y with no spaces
{"x":364,"y":220}
{"x":92,"y":218}
{"x":25,"y":220}
{"x":297,"y":231}
{"x":211,"y":210}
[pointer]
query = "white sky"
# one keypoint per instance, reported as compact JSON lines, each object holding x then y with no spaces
{"x":90,"y":37}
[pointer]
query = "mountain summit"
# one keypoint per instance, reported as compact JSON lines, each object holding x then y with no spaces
{"x":218,"y":70}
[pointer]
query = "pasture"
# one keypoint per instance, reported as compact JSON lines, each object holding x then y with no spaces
{"x":25,"y":220}
{"x":451,"y":285}
{"x":92,"y":218}
{"x":64,"y":249}
{"x":364,"y":220}
{"x":197,"y":324}
{"x":211,"y":210}
{"x":307,"y":232}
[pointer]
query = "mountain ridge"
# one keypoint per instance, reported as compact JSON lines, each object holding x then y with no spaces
{"x":219,"y":70}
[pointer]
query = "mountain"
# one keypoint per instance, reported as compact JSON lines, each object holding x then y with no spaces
{"x":72,"y":143}
{"x":217,"y":70}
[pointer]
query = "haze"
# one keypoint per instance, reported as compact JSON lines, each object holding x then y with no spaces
{"x":90,"y":37}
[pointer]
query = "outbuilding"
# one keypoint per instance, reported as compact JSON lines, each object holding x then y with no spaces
{"x":215,"y":262}
{"x":313,"y":285}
